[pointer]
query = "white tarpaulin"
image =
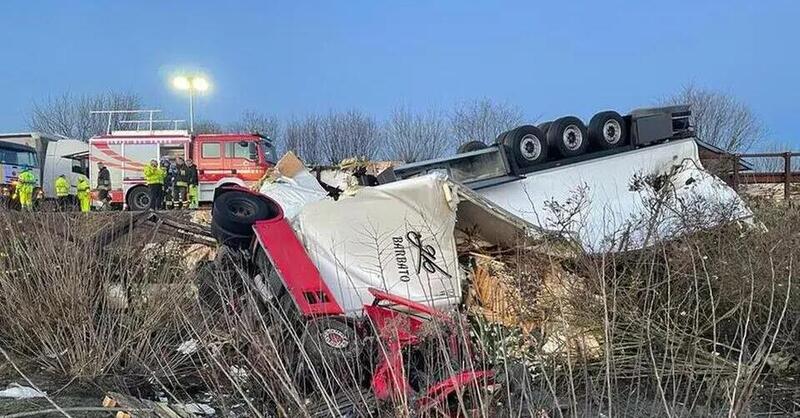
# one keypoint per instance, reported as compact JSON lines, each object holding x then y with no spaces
{"x":396,"y":237}
{"x":607,"y":203}
{"x":294,"y":193}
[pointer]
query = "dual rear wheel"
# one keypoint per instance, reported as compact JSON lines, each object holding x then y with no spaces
{"x":565,"y":137}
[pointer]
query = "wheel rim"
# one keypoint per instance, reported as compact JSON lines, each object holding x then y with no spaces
{"x":530,"y":147}
{"x":612,"y":131}
{"x":573,"y":137}
{"x":142,"y":200}
{"x":241,"y":208}
{"x":335,"y":338}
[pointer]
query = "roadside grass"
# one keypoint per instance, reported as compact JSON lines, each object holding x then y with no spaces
{"x":707,"y":324}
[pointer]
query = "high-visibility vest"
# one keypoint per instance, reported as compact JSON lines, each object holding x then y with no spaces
{"x":27,"y":179}
{"x":62,"y":187}
{"x":83,"y":185}
{"x":154,"y":175}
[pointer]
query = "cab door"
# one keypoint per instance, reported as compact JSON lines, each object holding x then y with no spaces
{"x":242,"y":159}
{"x":210,"y":160}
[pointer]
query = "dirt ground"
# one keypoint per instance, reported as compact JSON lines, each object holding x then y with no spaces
{"x":67,"y":394}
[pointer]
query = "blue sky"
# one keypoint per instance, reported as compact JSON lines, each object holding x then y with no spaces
{"x":296,"y":57}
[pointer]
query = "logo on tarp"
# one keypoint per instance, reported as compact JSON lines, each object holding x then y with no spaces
{"x":425,"y":260}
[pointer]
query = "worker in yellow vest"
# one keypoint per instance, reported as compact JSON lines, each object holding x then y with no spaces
{"x":62,"y":193}
{"x":154,"y":176}
{"x":27,"y":182}
{"x":84,"y":199}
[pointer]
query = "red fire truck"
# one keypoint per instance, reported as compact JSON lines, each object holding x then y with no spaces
{"x":221,"y":159}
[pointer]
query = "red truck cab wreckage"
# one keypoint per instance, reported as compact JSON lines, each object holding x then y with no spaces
{"x":245,"y":219}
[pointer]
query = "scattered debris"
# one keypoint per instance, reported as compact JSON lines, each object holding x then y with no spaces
{"x":21,"y":392}
{"x":188,"y":347}
{"x":130,"y":407}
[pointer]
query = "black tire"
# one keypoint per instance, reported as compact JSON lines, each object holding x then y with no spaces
{"x":225,"y":237}
{"x":500,"y":138}
{"x":568,"y":136}
{"x":139,"y":199}
{"x":471,"y":146}
{"x":608,"y":130}
{"x":332,"y":345}
{"x":353,"y":403}
{"x":527,"y":144}
{"x":236,"y":212}
{"x":544,"y":127}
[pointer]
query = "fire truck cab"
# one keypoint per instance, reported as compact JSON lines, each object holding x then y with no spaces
{"x":222,"y":160}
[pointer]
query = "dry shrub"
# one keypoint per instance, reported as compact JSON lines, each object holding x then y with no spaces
{"x":86,"y":310}
{"x":706,"y":323}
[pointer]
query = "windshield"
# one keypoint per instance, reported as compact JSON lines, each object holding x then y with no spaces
{"x":17,"y":157}
{"x":269,"y":151}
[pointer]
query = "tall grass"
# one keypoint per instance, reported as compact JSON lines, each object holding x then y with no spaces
{"x":706,"y":324}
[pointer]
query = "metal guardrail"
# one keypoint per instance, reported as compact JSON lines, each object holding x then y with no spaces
{"x":787,"y":176}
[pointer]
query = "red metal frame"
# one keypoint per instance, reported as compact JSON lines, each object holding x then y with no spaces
{"x":289,"y":258}
{"x":398,"y":330}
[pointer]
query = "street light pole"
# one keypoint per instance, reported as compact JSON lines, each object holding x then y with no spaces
{"x":191,"y":109}
{"x":192,"y":84}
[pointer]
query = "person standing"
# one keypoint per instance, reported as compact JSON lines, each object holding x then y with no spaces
{"x":62,"y":193}
{"x":154,"y":175}
{"x":103,"y":186}
{"x":83,"y":194}
{"x":181,"y":194}
{"x":27,"y":182}
{"x":169,"y":178}
{"x":194,"y":185}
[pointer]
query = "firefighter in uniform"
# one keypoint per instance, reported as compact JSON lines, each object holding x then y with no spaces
{"x":154,"y":175}
{"x":103,"y":186}
{"x":181,"y":194}
{"x":83,"y":196}
{"x":27,"y":182}
{"x":169,"y":181}
{"x":62,"y":192}
{"x":194,"y":184}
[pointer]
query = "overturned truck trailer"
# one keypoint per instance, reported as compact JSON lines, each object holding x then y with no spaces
{"x":620,"y":184}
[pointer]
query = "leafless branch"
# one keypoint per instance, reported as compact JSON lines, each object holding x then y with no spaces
{"x":483,"y":120}
{"x":414,"y":137}
{"x":720,"y":119}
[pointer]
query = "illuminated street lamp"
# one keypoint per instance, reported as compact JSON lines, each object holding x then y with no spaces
{"x":193,"y":84}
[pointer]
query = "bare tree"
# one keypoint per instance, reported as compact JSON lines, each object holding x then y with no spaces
{"x":720,"y":119}
{"x":303,"y":136}
{"x":70,"y":115}
{"x":413,"y":137}
{"x":483,"y":120}
{"x":253,"y":122}
{"x":349,"y":134}
{"x":207,"y":126}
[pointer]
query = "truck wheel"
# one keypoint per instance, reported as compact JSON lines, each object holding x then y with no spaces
{"x":607,"y":130}
{"x":527,"y":144}
{"x":471,"y":146}
{"x":568,"y":135}
{"x":348,"y":403}
{"x":331,"y":344}
{"x":235,"y":212}
{"x":139,"y":199}
{"x":501,"y":137}
{"x":544,"y":127}
{"x":230,"y":239}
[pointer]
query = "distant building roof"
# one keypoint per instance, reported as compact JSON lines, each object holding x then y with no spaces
{"x":34,"y":135}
